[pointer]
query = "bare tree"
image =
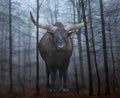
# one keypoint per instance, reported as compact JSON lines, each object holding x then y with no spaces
{"x":94,"y":50}
{"x":107,"y":89}
{"x":75,"y":65}
{"x":37,"y":52}
{"x":112,"y":55}
{"x":56,"y":10}
{"x":88,"y":52}
{"x":79,"y":36}
{"x":76,"y":11}
{"x":10,"y":47}
{"x":76,"y":74}
{"x":29,"y":52}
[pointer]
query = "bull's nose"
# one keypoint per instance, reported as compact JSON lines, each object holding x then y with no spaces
{"x":61,"y":46}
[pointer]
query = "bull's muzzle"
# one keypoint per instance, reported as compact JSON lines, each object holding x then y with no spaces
{"x":61,"y":46}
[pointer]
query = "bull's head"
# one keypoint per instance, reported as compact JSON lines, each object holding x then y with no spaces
{"x":60,"y":33}
{"x":60,"y":36}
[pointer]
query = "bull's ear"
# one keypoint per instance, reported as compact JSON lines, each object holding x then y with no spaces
{"x":70,"y":33}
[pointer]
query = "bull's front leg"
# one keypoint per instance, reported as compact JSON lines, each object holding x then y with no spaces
{"x":60,"y":81}
{"x":53,"y":75}
{"x":65,"y":85}
{"x":48,"y":82}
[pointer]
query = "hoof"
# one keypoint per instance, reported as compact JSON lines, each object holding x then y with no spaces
{"x":48,"y":86}
{"x":65,"y":90}
{"x":60,"y":89}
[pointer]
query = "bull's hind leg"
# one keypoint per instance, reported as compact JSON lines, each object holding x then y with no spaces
{"x":60,"y":81}
{"x":63,"y":81}
{"x":65,"y":85}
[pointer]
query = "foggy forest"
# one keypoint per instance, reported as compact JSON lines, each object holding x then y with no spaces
{"x":94,"y":68}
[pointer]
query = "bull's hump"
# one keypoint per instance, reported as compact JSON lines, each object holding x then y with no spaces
{"x":59,"y":24}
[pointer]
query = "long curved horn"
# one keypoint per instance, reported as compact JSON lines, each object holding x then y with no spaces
{"x":49,"y":28}
{"x":76,"y":26}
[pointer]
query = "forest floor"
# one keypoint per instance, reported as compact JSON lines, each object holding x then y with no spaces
{"x":55,"y":95}
{"x":44,"y":93}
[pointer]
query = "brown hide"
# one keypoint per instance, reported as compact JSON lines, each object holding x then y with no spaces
{"x":53,"y":57}
{"x":56,"y":49}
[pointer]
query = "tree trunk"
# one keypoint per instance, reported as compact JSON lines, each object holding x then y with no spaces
{"x":82,"y":85}
{"x":37,"y":53}
{"x":29,"y":58}
{"x":56,"y":10}
{"x":107,"y":89}
{"x":112,"y":55}
{"x":10,"y":49}
{"x":2,"y":58}
{"x":76,"y":75}
{"x":19,"y":60}
{"x":88,"y":52}
{"x":25,"y":65}
{"x":94,"y":52}
{"x":75,"y":66}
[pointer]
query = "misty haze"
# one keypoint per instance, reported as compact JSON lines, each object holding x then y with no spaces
{"x":88,"y":29}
